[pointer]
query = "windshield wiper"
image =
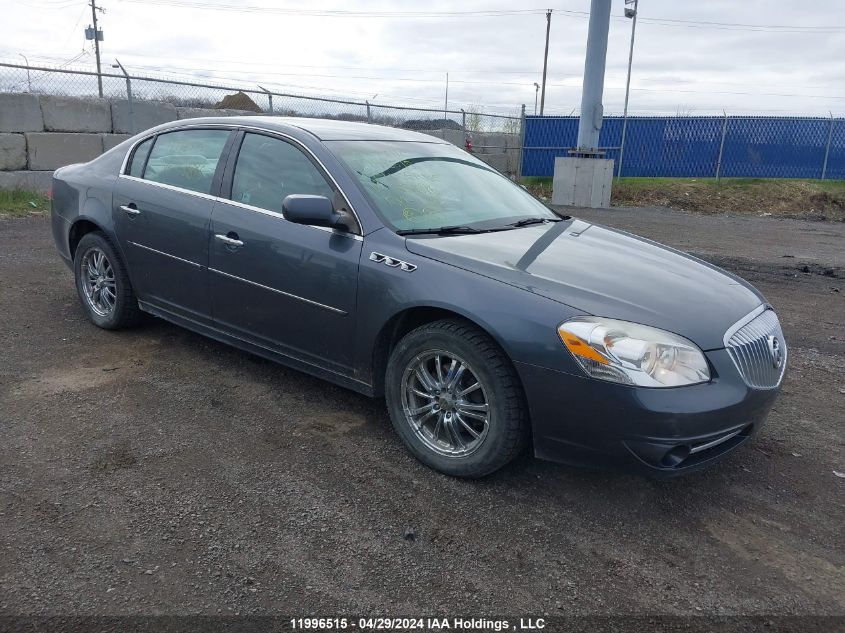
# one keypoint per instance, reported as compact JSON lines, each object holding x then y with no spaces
{"x":443,"y":230}
{"x":528,"y":221}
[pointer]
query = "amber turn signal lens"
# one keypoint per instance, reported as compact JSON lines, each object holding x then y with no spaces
{"x":579,"y":347}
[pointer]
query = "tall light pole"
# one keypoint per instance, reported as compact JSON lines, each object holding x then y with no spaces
{"x":592,"y":110}
{"x":546,"y":59}
{"x":536,"y":89}
{"x":28,"y":78}
{"x":629,"y":13}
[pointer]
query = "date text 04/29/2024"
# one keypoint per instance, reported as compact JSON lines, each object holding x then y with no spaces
{"x":419,"y":624}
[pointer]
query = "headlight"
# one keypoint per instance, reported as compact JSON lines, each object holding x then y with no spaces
{"x":633,"y":354}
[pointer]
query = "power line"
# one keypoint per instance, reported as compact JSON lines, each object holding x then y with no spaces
{"x":243,"y":8}
{"x":196,"y":4}
{"x":225,"y":75}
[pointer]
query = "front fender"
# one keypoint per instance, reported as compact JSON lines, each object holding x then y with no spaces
{"x":524,"y":324}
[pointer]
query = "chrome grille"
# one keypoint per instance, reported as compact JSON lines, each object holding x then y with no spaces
{"x":753,"y":344}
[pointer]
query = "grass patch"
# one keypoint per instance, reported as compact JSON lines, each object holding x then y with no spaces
{"x":17,"y":203}
{"x":795,"y":198}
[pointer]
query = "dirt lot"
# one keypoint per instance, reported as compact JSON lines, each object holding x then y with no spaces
{"x":154,"y":471}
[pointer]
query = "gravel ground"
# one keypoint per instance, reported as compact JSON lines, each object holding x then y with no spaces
{"x":154,"y":471}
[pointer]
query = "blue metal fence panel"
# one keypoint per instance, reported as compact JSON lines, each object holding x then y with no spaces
{"x":755,"y":147}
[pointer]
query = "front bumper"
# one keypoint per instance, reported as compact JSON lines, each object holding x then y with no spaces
{"x":661,"y":432}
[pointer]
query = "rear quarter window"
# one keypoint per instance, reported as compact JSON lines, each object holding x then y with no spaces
{"x":139,"y":158}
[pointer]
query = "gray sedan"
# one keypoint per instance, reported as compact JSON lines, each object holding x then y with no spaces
{"x":402,"y":267}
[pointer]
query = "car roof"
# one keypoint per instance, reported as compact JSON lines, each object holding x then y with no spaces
{"x":323,"y":129}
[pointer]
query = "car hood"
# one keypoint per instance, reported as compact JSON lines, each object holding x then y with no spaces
{"x":605,"y":272}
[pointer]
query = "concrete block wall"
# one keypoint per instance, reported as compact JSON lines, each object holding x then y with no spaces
{"x":39,"y":133}
{"x":67,"y":114}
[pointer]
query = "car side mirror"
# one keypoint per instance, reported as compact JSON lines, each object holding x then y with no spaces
{"x":314,"y":210}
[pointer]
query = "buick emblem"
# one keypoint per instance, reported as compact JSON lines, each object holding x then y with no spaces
{"x":776,"y":351}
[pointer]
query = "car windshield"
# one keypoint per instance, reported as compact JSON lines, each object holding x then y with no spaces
{"x":419,"y":187}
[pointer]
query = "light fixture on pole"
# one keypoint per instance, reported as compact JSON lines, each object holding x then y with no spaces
{"x":632,"y":14}
{"x":536,"y":90}
{"x":129,"y":101}
{"x":269,"y":97}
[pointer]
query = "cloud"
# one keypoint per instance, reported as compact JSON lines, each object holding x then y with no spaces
{"x":492,"y":62}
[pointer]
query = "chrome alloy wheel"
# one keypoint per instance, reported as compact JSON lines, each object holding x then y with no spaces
{"x":98,"y":282}
{"x":445,"y":403}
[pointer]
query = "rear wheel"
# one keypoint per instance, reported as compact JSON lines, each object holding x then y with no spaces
{"x":455,"y":399}
{"x":103,"y":284}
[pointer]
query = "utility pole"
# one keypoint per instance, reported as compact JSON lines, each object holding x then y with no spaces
{"x":545,"y":59}
{"x":536,"y":89}
{"x":584,"y":178}
{"x":629,"y":13}
{"x":94,"y":10}
{"x":592,"y":110}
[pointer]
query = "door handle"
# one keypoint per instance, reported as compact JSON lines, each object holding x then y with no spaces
{"x":229,"y":241}
{"x":129,"y":209}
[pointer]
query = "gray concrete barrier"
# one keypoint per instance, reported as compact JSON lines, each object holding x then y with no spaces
{"x":192,"y":113}
{"x":113,"y":140}
{"x":20,"y":113}
{"x":71,"y":114}
{"x":12,"y":152}
{"x":51,"y":150}
{"x":39,"y":133}
{"x":146,"y":114}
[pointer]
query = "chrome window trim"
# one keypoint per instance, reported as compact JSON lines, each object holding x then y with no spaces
{"x":235,"y":127}
{"x":164,"y":185}
{"x":281,"y":292}
{"x":743,"y":322}
{"x":276,"y":214}
{"x":158,"y":252}
{"x":721,"y":440}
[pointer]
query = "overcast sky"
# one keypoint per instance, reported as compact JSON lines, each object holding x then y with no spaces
{"x":690,"y":57}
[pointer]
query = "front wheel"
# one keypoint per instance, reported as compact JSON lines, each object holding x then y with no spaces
{"x":455,"y":399}
{"x":103,"y":284}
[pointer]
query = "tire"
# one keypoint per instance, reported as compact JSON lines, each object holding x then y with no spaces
{"x":428,"y":413}
{"x":103,"y":285}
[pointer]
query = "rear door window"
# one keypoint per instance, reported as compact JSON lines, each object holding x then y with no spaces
{"x":186,"y":158}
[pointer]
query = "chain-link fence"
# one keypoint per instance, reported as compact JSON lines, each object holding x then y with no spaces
{"x":726,"y":146}
{"x":241,"y":96}
{"x":683,"y":146}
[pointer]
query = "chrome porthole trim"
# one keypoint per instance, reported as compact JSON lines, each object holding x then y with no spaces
{"x":392,"y":262}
